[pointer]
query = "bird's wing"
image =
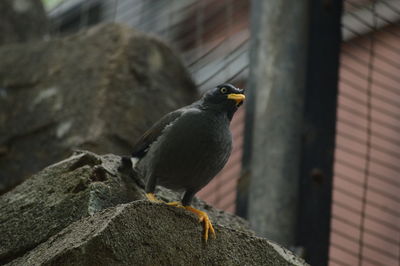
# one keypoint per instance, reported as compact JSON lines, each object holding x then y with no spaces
{"x":151,"y":135}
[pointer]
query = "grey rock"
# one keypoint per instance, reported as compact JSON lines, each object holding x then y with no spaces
{"x":22,"y":21}
{"x":55,"y":197}
{"x":98,"y":89}
{"x":144,"y":233}
{"x":72,"y":189}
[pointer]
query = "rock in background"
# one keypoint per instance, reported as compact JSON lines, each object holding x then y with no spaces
{"x":22,"y":21}
{"x":73,"y":213}
{"x":98,"y":90}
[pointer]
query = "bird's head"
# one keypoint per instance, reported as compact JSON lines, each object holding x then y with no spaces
{"x":224,"y":98}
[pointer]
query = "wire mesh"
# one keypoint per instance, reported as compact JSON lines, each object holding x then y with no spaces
{"x":212,"y":38}
{"x":366,"y":203}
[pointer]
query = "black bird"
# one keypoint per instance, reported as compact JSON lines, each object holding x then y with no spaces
{"x":186,"y":148}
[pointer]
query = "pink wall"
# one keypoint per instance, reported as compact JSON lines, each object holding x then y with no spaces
{"x":368,"y":216}
{"x":379,"y":228}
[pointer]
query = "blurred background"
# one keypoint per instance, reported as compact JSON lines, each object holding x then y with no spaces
{"x":343,"y":148}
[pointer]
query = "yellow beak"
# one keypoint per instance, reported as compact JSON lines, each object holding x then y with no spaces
{"x":239,"y":98}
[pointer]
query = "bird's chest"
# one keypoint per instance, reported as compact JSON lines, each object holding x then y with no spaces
{"x":193,"y":150}
{"x":201,"y":137}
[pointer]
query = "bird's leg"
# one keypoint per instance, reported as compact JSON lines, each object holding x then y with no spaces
{"x":150,"y":188}
{"x":175,"y":204}
{"x":152,"y":197}
{"x":203,"y":217}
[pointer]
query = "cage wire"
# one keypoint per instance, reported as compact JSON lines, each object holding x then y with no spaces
{"x":212,"y":38}
{"x":365,"y":228}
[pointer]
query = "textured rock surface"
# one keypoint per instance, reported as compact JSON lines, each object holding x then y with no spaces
{"x":77,"y":187}
{"x":55,"y":197}
{"x":143,"y":233}
{"x":72,"y":213}
{"x":98,"y":90}
{"x":22,"y":21}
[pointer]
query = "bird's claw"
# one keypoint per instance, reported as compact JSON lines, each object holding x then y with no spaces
{"x":151,"y":197}
{"x":203,"y":218}
{"x":175,"y":204}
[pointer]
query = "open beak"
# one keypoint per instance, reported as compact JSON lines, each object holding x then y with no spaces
{"x":237,"y":97}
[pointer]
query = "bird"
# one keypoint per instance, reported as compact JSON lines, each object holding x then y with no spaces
{"x":188,"y":147}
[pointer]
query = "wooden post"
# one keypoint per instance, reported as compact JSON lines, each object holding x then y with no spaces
{"x":276,"y":88}
{"x":286,"y":187}
{"x":315,"y":189}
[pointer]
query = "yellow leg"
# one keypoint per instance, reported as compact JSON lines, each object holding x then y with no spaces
{"x":203,"y":217}
{"x":175,"y":204}
{"x":151,"y":197}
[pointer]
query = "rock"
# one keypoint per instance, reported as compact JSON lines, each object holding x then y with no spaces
{"x":88,"y":210}
{"x":55,"y":197}
{"x":78,"y":187}
{"x":22,"y":21}
{"x":144,"y":233}
{"x":98,"y":89}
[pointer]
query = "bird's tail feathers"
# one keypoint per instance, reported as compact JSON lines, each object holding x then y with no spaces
{"x":127,"y":167}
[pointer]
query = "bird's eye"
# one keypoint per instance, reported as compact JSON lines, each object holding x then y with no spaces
{"x":223,"y":90}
